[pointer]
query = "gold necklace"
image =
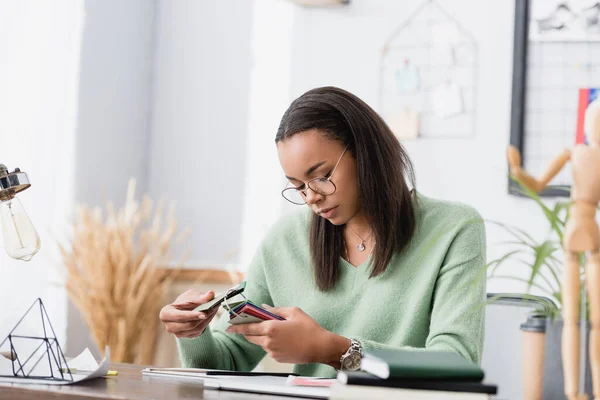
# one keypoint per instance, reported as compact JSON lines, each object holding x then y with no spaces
{"x":361,"y":246}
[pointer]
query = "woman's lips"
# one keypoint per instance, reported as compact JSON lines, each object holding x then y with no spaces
{"x":328,"y":212}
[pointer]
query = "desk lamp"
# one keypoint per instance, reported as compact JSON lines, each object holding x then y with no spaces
{"x":21,"y":241}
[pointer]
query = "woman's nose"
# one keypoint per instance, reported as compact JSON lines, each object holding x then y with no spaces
{"x":313,"y":197}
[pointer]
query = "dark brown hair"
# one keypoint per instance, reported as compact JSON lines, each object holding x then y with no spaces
{"x":383,"y":168}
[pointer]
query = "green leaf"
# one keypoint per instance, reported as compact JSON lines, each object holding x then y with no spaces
{"x":514,"y":243}
{"x":551,"y":215}
{"x":561,"y":207}
{"x":545,"y":267}
{"x":541,"y":276}
{"x":558,"y":297}
{"x":494,"y":264}
{"x":519,"y":234}
{"x":541,"y":253}
{"x":555,"y":271}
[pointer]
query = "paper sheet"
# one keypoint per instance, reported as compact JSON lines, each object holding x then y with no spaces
{"x":404,"y":123}
{"x":446,"y":100}
{"x":253,"y":384}
{"x":267,"y":385}
{"x":83,"y":362}
{"x":181,"y":373}
{"x":407,"y":78}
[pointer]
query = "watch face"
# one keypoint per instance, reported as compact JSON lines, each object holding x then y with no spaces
{"x":352,"y":362}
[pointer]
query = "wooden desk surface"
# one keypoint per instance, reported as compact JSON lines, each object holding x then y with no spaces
{"x":129,"y":384}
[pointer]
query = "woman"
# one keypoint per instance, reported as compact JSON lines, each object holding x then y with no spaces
{"x":372,"y":264}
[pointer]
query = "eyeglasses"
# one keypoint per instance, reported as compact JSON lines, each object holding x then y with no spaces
{"x":321,"y":185}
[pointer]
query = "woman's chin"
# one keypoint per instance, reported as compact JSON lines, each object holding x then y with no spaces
{"x":336,"y":220}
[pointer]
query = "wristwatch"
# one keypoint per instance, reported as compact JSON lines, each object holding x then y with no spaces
{"x":350,"y":360}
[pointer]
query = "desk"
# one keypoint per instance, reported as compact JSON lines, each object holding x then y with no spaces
{"x":129,"y":384}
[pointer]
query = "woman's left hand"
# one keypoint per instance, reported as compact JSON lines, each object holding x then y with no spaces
{"x":299,"y":339}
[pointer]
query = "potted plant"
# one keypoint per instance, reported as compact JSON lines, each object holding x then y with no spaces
{"x":543,"y":261}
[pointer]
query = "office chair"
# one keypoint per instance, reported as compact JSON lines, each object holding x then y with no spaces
{"x":502,"y":348}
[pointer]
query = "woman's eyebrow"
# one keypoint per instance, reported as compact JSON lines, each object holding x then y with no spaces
{"x":308,"y":171}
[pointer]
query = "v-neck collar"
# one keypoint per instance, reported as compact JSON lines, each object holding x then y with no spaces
{"x":363,"y":265}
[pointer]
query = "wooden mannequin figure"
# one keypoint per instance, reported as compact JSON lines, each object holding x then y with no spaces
{"x":581,"y":235}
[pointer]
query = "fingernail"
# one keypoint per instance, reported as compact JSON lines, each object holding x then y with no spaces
{"x":201,"y":316}
{"x":229,"y":330}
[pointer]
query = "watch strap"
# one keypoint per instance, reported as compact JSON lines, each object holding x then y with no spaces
{"x":355,"y":348}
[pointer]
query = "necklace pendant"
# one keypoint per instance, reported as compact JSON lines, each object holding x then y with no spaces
{"x":360,"y":247}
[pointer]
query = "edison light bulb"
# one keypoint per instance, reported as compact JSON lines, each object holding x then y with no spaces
{"x":21,"y":241}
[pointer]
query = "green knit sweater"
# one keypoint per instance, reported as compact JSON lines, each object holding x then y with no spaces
{"x":429,"y":297}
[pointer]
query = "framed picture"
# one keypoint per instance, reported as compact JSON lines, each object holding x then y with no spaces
{"x":555,"y":69}
{"x":565,"y":20}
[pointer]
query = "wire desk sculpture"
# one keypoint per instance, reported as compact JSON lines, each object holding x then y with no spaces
{"x":24,"y":363}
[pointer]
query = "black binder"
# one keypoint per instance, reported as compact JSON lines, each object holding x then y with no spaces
{"x":366,"y":379}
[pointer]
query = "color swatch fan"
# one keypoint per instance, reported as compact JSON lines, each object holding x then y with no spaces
{"x":247,"y":312}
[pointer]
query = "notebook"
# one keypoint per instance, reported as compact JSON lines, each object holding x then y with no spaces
{"x":419,"y":364}
{"x":357,"y":378}
{"x":340,"y":391}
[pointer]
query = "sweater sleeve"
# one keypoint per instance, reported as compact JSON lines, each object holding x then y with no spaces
{"x":216,"y":349}
{"x":457,"y":314}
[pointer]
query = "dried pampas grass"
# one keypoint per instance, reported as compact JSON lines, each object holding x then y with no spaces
{"x":117,"y":276}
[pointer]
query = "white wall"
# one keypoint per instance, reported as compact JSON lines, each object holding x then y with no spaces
{"x":115,"y":98}
{"x":200,"y":121}
{"x":113,"y":123}
{"x":39,"y":60}
{"x":273,"y":41}
{"x":342,"y":47}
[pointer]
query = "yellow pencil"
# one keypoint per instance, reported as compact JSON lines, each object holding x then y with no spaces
{"x":75,"y":371}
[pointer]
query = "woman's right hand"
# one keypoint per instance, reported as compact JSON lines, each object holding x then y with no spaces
{"x":180,"y":319}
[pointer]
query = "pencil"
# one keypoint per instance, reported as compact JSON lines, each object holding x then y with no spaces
{"x":75,"y":371}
